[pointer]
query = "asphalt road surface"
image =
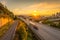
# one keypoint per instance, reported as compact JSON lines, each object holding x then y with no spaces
{"x":47,"y":32}
{"x":9,"y":35}
{"x":44,"y":31}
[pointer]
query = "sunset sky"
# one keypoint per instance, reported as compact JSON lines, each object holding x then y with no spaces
{"x":40,"y":7}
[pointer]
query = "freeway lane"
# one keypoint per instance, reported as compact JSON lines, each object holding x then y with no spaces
{"x":47,"y":32}
{"x":9,"y":35}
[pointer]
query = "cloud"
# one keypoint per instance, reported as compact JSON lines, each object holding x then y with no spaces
{"x":45,"y":8}
{"x":42,"y":8}
{"x":34,"y":1}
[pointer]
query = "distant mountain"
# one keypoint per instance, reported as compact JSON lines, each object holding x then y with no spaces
{"x":5,"y":12}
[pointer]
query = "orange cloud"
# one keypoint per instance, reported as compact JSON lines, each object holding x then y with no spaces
{"x":42,"y":8}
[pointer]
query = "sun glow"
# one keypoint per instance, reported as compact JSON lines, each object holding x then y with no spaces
{"x":42,"y":9}
{"x":34,"y":13}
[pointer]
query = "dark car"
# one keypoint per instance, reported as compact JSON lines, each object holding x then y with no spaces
{"x":35,"y":27}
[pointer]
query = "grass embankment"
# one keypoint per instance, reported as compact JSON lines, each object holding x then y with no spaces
{"x":31,"y":35}
{"x":22,"y":32}
{"x":53,"y":24}
{"x":4,"y":28}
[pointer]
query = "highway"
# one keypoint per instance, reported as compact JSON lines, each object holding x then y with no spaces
{"x":9,"y":35}
{"x":45,"y":32}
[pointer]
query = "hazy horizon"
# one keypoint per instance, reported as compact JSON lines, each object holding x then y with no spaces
{"x":39,"y":7}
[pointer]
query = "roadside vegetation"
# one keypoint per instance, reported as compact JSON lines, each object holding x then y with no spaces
{"x":22,"y":32}
{"x":4,"y":29}
{"x":53,"y":24}
{"x":5,"y":14}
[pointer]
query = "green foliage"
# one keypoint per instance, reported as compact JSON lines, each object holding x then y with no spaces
{"x":29,"y":37}
{"x":21,"y":31}
{"x":5,"y":12}
{"x":53,"y":24}
{"x":4,"y":28}
{"x":58,"y":25}
{"x":46,"y":22}
{"x":1,"y":12}
{"x":15,"y":18}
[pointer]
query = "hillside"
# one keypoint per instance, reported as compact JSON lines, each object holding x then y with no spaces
{"x":5,"y":12}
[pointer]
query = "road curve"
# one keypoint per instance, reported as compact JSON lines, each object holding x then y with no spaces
{"x":45,"y":31}
{"x":9,"y":35}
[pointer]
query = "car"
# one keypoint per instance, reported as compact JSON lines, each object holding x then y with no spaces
{"x":35,"y":27}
